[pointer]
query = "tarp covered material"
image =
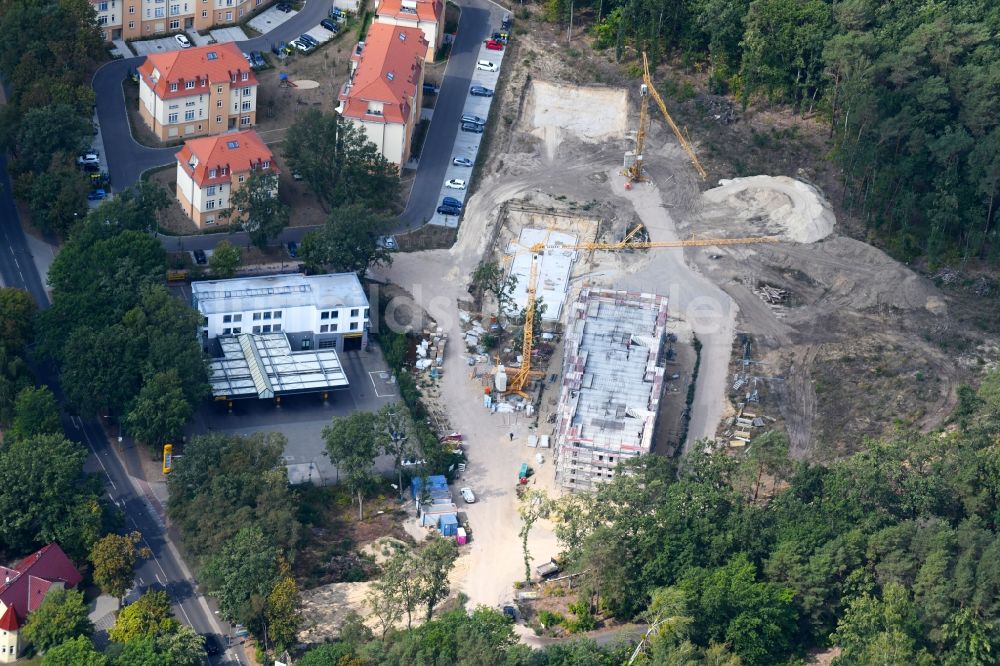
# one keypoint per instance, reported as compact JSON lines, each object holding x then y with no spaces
{"x":432,"y":517}
{"x":434,"y":482}
{"x":448,"y":524}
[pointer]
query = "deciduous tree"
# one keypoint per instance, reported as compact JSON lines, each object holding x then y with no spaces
{"x":35,"y":413}
{"x":114,"y":558}
{"x":352,"y":444}
{"x":256,"y":208}
{"x":149,"y":616}
{"x":225,"y":260}
{"x":61,"y":616}
{"x":160,"y":410}
{"x":348,"y":242}
{"x":244,"y":569}
{"x":283,"y":615}
{"x":77,"y":651}
{"x":433,"y":564}
{"x":532,"y":505}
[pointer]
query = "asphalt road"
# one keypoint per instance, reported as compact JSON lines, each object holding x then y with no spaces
{"x":128,"y":159}
{"x":166,"y":567}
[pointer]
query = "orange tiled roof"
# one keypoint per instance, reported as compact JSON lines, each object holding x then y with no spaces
{"x":389,"y":72}
{"x":228,"y":154}
{"x":205,"y":65}
{"x":425,"y":10}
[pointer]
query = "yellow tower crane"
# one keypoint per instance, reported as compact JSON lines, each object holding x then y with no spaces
{"x":646,"y":91}
{"x":521,"y":376}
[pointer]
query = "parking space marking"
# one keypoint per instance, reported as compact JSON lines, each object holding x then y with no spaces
{"x":383,"y":376}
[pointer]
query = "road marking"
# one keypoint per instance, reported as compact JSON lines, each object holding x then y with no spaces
{"x":90,"y":444}
{"x":181,"y":606}
{"x":371,"y":376}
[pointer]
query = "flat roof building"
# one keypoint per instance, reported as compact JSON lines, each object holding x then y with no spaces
{"x":280,"y":334}
{"x":612,"y":383}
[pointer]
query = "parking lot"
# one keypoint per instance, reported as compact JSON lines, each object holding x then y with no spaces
{"x":467,"y":143}
{"x":301,"y":418}
{"x":270,"y":19}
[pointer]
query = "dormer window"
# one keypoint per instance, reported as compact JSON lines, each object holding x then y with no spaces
{"x":189,"y":85}
{"x":246,"y":76}
{"x":173,"y":87}
{"x":211,"y":173}
{"x":267,"y":164}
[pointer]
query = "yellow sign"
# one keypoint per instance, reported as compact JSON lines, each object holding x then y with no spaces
{"x":168,"y":458}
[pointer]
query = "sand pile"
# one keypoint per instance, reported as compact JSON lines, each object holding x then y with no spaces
{"x":803,"y":214}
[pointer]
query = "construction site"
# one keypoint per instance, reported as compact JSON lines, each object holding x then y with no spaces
{"x":655,"y":308}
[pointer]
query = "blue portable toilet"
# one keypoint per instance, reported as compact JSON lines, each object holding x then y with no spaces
{"x":448,"y":524}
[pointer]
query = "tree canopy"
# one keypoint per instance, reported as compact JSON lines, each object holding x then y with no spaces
{"x":256,"y":208}
{"x":61,"y":616}
{"x":348,"y":242}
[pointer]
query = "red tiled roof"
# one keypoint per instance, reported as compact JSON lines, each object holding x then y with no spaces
{"x":25,"y":585}
{"x":9,"y":620}
{"x":389,"y":72}
{"x":425,"y":10}
{"x":228,"y":154}
{"x":205,"y":65}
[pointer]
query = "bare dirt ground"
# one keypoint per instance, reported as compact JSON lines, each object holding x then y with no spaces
{"x":856,"y":348}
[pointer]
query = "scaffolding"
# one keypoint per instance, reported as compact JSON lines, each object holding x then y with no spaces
{"x":612,"y":383}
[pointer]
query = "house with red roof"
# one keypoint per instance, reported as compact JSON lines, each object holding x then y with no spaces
{"x":385,"y":91}
{"x":425,"y":15}
{"x":23,"y":588}
{"x":210,"y":168}
{"x":203,"y":90}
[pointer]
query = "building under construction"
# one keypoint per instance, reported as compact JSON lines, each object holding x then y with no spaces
{"x":613,"y":378}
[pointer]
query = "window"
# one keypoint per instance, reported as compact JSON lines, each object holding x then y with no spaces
{"x":210,"y":192}
{"x":227,"y":319}
{"x":175,"y":10}
{"x":354,"y":325}
{"x":256,"y":316}
{"x":325,"y":328}
{"x":160,"y":12}
{"x":246,"y":91}
{"x":173,"y":87}
{"x":210,"y":204}
{"x":267,"y":315}
{"x":237,"y":317}
{"x":242,"y":177}
{"x":333,"y":328}
{"x":218,"y":119}
{"x":366,"y":313}
{"x":277,"y":328}
{"x":218,"y":104}
{"x":256,"y":329}
{"x":229,"y":16}
{"x":245,"y":120}
{"x":227,"y":331}
{"x":189,"y":115}
{"x":354,"y":312}
{"x":102,"y":7}
{"x":246,"y":105}
{"x":149,"y":12}
{"x":189,"y":85}
{"x":211,"y":173}
{"x":324,"y":315}
{"x":242,"y":12}
{"x":237,"y":330}
{"x":174,"y":25}
{"x":277,"y":314}
{"x":334,"y":314}
{"x":102,"y":20}
{"x":172,"y":118}
{"x":131,"y":10}
{"x":131,"y":24}
{"x":267,"y":328}
{"x":204,"y":14}
{"x":267,"y":164}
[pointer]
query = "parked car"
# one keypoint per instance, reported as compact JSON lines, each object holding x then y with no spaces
{"x":388,"y":242}
{"x":451,"y":201}
{"x":309,"y":39}
{"x":486,"y":66}
{"x":462,"y":161}
{"x":476,"y":128}
{"x":330,"y":25}
{"x":183,"y":41}
{"x":472,"y":118}
{"x":455,"y":184}
{"x":505,"y":23}
{"x":468,"y":495}
{"x":510,"y":612}
{"x":430,"y":89}
{"x":293,"y":249}
{"x":305,"y":47}
{"x":494,"y":45}
{"x":257,"y":59}
{"x":449,"y":210}
{"x":88,"y":158}
{"x":91,"y":167}
{"x":97,"y":195}
{"x":283,"y":7}
{"x":247,"y":57}
{"x":337,"y":13}
{"x":200,"y":258}
{"x":480,"y":91}
{"x":279,"y":49}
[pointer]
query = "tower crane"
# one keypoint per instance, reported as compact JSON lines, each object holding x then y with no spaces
{"x":647,"y":90}
{"x":520,"y":378}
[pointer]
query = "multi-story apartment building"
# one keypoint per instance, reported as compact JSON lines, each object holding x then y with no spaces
{"x":203,"y":90}
{"x":209,"y":169}
{"x":385,"y":91}
{"x":140,"y":19}
{"x":427,"y":15}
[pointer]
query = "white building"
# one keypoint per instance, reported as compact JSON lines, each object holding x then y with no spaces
{"x":314,"y":311}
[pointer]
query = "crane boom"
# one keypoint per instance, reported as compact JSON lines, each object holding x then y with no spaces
{"x":670,"y":121}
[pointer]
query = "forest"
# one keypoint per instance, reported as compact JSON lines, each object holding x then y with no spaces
{"x":908,"y":90}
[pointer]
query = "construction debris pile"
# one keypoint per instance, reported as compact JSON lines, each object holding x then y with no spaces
{"x":430,"y":353}
{"x":739,"y":430}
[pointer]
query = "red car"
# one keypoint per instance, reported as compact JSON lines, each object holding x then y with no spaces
{"x":494,"y":45}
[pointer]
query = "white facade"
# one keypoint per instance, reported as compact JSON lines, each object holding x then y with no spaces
{"x":320,"y":309}
{"x":204,"y":199}
{"x":390,"y":138}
